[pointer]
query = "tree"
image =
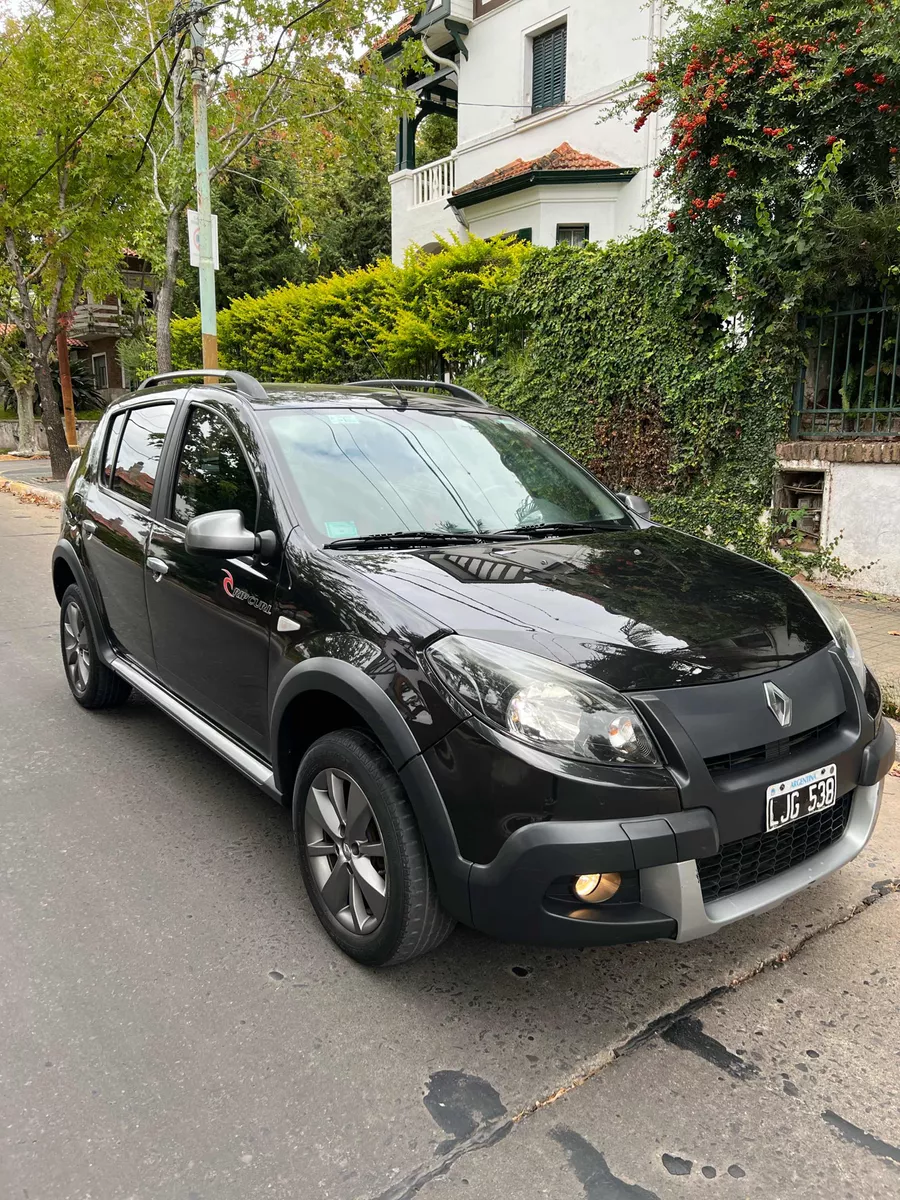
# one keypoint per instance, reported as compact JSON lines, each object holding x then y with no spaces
{"x":64,"y":208}
{"x":436,"y":138}
{"x":784,"y":154}
{"x":19,"y":378}
{"x":257,"y":241}
{"x":281,"y":224}
{"x":283,"y":83}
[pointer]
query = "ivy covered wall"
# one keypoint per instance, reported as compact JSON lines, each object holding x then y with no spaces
{"x":615,"y":353}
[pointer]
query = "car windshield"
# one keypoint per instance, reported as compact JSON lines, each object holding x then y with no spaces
{"x":365,"y":472}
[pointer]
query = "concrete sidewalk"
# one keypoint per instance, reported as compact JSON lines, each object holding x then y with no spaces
{"x":876,"y":623}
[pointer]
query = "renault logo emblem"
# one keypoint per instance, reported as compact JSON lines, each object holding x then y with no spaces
{"x":781,"y":705}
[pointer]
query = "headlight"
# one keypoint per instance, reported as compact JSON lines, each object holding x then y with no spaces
{"x":551,"y":707}
{"x":841,"y":631}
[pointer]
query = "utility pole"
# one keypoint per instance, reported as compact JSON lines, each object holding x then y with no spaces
{"x":204,"y":206}
{"x":65,"y":386}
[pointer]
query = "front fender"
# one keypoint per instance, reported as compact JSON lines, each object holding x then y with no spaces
{"x":362,"y":693}
{"x":357,"y":689}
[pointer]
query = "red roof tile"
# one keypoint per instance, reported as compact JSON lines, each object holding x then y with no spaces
{"x":5,"y":330}
{"x":563,"y":158}
{"x":394,"y":34}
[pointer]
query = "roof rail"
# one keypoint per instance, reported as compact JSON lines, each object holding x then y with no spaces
{"x":244,"y":383}
{"x":423,"y":385}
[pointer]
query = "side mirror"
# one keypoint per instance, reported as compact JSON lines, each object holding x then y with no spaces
{"x":637,"y":504}
{"x":220,"y":535}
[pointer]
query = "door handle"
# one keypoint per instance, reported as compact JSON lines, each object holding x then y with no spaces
{"x":88,"y":528}
{"x":157,"y":568}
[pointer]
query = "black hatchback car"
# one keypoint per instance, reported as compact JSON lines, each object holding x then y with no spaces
{"x":490,"y":690}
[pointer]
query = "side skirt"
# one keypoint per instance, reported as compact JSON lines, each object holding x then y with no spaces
{"x":248,"y":764}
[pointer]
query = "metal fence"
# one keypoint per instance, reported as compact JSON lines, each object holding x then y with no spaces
{"x":849,"y":387}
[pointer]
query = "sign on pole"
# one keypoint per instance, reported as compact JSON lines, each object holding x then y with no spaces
{"x":194,"y":238}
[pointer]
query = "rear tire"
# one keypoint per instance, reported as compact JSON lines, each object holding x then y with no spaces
{"x":91,"y":681}
{"x":361,"y":854}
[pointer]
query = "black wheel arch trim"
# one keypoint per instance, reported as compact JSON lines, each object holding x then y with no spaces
{"x":362,"y":693}
{"x":65,"y":552}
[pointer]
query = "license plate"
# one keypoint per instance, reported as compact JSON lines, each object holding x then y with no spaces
{"x":801,"y":797}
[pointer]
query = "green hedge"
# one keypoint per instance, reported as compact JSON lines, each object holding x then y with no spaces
{"x":613,"y":352}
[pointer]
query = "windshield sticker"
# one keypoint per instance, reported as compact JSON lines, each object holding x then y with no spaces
{"x":341,"y":419}
{"x":341,"y":529}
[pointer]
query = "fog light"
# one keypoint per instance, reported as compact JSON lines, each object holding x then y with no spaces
{"x":595,"y":889}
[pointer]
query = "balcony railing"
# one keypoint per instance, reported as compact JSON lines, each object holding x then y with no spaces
{"x":434,"y":182}
{"x":97,"y":319}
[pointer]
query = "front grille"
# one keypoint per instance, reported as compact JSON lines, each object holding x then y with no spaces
{"x":741,"y":864}
{"x":723,"y":763}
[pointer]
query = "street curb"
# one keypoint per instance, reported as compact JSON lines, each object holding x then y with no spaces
{"x":30,"y":491}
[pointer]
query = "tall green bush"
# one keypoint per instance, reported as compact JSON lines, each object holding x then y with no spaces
{"x":616,"y":353}
{"x":417,"y":319}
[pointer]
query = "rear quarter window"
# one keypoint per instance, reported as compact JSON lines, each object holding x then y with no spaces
{"x":113,"y":431}
{"x":139,"y":451}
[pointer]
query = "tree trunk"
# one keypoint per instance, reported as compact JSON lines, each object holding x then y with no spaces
{"x":166,"y":295}
{"x":25,"y":412}
{"x":60,"y":458}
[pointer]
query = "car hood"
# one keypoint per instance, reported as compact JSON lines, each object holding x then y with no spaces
{"x":638,"y":609}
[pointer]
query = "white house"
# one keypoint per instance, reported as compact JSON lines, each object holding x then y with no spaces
{"x":527,"y":82}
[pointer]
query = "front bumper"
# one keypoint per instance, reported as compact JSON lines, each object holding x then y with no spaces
{"x":509,"y":896}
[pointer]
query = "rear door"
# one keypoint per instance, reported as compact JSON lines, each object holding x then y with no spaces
{"x":116,"y":522}
{"x":211,"y":617}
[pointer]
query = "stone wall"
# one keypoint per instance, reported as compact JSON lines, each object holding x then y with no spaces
{"x":9,"y":434}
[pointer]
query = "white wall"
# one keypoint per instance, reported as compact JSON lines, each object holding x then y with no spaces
{"x":603,"y":206}
{"x":863,"y":504}
{"x":417,"y":226}
{"x":608,"y":41}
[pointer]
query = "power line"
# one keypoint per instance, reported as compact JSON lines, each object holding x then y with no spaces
{"x":160,"y":100}
{"x":93,"y":121}
{"x":296,"y":21}
{"x":181,"y":20}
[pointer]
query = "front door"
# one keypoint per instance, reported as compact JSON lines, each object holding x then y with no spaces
{"x":210,"y":617}
{"x":117,"y":523}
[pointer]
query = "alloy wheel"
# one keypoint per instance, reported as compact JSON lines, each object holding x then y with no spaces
{"x":76,"y":647}
{"x":345,"y":851}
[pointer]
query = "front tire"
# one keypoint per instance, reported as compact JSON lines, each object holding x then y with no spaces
{"x":91,"y":681}
{"x":361,"y":854}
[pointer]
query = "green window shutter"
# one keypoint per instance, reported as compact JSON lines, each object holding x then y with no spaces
{"x":548,"y":84}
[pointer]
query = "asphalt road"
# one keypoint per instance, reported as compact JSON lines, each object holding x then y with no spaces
{"x":174,"y":1024}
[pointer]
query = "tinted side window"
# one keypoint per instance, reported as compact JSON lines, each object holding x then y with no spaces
{"x":112,"y":441}
{"x":213,"y":473}
{"x":138,"y":458}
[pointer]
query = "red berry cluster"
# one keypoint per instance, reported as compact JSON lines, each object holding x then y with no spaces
{"x":705,"y":88}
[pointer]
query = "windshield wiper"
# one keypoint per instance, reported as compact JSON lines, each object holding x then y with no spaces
{"x":551,"y":527}
{"x":402,"y":536}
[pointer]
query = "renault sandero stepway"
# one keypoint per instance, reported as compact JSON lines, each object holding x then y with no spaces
{"x":489,"y":689}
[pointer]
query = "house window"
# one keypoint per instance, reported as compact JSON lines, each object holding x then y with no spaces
{"x":572,"y":235}
{"x":548,"y":70}
{"x":98,"y":367}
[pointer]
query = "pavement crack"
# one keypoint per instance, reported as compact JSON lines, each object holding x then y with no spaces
{"x":852,"y":1133}
{"x":490,"y":1133}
